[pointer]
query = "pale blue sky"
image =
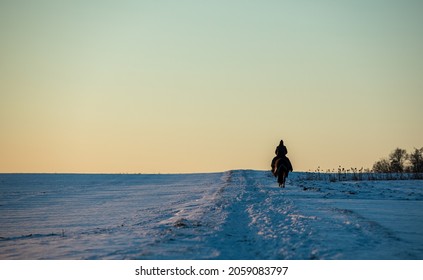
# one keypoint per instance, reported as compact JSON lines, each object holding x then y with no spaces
{"x":197,"y":86}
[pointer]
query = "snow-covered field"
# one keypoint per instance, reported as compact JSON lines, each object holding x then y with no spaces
{"x":239,"y":214}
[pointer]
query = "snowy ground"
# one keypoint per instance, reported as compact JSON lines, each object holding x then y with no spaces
{"x":238,"y":214}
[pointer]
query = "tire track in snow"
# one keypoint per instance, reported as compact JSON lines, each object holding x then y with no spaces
{"x":262,"y":221}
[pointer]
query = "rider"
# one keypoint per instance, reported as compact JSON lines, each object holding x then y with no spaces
{"x":281,"y":150}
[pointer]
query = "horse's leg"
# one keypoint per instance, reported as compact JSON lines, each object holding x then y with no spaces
{"x":284,"y":177}
{"x":275,"y":165}
{"x":281,"y":178}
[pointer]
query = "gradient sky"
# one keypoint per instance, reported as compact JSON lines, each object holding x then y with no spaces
{"x":203,"y":86}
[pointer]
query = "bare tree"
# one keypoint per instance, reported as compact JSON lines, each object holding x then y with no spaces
{"x":382,"y":166}
{"x":416,"y":160}
{"x":397,"y":160}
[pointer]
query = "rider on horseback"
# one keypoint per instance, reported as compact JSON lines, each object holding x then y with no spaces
{"x":281,"y":165}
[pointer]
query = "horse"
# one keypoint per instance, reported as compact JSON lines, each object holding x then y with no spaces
{"x":280,"y":169}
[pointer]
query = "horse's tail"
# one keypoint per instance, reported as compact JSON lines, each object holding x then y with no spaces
{"x":282,"y":177}
{"x":282,"y":171}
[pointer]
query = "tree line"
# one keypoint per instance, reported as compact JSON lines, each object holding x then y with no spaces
{"x":399,"y":161}
{"x":400,"y":165}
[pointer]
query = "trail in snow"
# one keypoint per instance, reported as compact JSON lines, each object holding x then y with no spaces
{"x":262,"y":222}
{"x":239,"y":214}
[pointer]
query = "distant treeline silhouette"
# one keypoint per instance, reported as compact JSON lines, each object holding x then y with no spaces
{"x":398,"y":166}
{"x":401,"y":162}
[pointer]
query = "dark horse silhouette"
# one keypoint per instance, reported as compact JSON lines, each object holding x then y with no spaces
{"x":281,"y":170}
